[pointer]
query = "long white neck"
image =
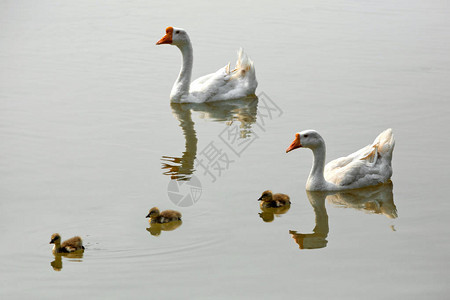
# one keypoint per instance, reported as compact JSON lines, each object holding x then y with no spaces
{"x":316,"y":180}
{"x":181,"y":86}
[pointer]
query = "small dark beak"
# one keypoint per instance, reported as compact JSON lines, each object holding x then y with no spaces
{"x":260,"y":198}
{"x":148,"y":216}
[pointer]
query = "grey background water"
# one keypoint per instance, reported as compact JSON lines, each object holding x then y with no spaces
{"x":85,"y":121}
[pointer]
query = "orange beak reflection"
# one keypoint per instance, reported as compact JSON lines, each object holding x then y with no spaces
{"x":295,"y":144}
{"x":167,"y":39}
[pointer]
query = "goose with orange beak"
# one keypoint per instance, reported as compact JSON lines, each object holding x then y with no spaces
{"x":167,"y":39}
{"x":224,"y":84}
{"x":295,"y":144}
{"x":368,"y":166}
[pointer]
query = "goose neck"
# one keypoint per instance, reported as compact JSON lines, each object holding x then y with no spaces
{"x":183,"y":81}
{"x":316,"y":180}
{"x":56,"y":245}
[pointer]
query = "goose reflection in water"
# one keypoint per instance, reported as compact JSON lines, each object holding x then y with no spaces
{"x":242,"y":110}
{"x":156,"y":228}
{"x":377,"y":200}
{"x":57,"y":264}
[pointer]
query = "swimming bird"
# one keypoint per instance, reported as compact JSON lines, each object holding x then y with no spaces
{"x":70,"y":245}
{"x":164,"y":216}
{"x":368,"y":166}
{"x":224,"y":84}
{"x":273,"y":200}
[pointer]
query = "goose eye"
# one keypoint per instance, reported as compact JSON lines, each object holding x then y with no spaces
{"x":305,"y":135}
{"x":177,"y":31}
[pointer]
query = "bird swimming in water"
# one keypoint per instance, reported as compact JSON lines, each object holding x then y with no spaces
{"x":68,"y":246}
{"x":273,"y":200}
{"x":163,"y":217}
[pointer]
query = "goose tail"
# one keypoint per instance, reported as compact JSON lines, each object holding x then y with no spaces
{"x":385,"y":143}
{"x":244,"y":66}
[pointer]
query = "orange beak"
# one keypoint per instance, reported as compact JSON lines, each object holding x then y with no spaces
{"x":295,"y":144}
{"x":167,"y":39}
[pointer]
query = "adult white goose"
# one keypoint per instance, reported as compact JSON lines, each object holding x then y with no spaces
{"x":368,"y":166}
{"x":225,"y":84}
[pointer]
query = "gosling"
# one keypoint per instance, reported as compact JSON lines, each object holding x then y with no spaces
{"x":164,"y":216}
{"x":68,"y":246}
{"x":273,"y":200}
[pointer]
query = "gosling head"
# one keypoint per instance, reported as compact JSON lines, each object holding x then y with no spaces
{"x":56,"y":238}
{"x":307,"y":139}
{"x":266,"y":196}
{"x":174,"y":36}
{"x":153,"y":212}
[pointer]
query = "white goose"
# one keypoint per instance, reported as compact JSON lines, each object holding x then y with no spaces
{"x":368,"y":166}
{"x":225,"y":84}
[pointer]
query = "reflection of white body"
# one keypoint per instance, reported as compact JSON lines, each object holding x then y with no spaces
{"x":242,"y":110}
{"x":375,"y":199}
{"x":225,"y":84}
{"x":368,"y":166}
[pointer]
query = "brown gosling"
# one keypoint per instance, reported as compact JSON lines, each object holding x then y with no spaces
{"x":164,"y":216}
{"x":273,"y":200}
{"x":68,"y":246}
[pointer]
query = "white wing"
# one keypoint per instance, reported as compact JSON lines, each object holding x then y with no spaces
{"x":368,"y":166}
{"x":226,"y":84}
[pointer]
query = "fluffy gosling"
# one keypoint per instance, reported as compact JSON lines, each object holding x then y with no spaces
{"x":68,"y":246}
{"x":164,"y":216}
{"x":273,"y":200}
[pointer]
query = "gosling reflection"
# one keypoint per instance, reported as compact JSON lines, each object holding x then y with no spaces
{"x":377,"y":200}
{"x":242,"y":110}
{"x":268,"y":214}
{"x":156,"y":228}
{"x":273,"y":205}
{"x":57,"y":264}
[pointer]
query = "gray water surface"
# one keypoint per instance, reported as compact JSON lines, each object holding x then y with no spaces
{"x":90,"y":142}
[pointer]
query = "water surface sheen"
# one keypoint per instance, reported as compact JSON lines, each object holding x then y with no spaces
{"x":90,"y":142}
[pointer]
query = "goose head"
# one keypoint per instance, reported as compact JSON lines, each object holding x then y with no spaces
{"x":153,"y":212}
{"x":266,"y":196}
{"x":56,"y":238}
{"x":174,"y":36}
{"x":307,"y":139}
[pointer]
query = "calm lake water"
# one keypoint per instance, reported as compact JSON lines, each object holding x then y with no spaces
{"x":90,"y":142}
